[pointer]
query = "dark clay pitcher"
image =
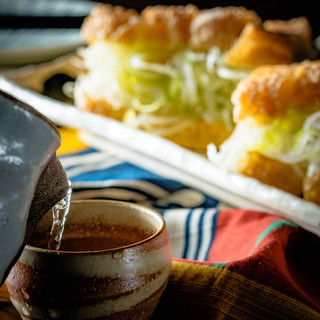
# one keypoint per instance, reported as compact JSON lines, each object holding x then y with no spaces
{"x":32,"y":179}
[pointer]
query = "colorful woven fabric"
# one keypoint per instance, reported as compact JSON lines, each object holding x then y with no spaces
{"x":270,"y":250}
{"x":259,"y":266}
{"x":197,"y":291}
{"x":228,"y":263}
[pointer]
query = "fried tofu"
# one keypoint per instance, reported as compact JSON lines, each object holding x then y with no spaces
{"x":272,"y":172}
{"x":269,"y":91}
{"x":256,"y":47}
{"x":220,"y":27}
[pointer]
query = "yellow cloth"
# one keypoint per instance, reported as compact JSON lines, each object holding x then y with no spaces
{"x":70,"y":142}
{"x":198,"y":291}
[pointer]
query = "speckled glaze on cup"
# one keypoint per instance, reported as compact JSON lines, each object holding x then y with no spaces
{"x":120,"y":283}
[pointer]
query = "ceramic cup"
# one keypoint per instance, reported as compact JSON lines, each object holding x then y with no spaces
{"x":113,"y":263}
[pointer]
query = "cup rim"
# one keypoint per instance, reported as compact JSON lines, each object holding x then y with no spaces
{"x":160,"y":230}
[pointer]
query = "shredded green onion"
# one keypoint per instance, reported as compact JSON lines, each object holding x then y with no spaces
{"x":188,"y":84}
{"x":137,"y":62}
{"x":293,"y":139}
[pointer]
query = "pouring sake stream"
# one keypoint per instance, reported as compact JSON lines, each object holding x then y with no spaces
{"x":32,"y":180}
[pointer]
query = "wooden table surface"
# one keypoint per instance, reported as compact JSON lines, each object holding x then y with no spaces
{"x":8,"y":312}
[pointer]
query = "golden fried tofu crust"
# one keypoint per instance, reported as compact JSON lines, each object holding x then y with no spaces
{"x":219,"y":27}
{"x":296,"y":26}
{"x":269,"y":91}
{"x":256,"y":47}
{"x":200,"y":134}
{"x":300,"y":34}
{"x":169,"y":23}
{"x":272,"y":172}
{"x":162,"y":24}
{"x":101,"y":107}
{"x":107,"y":22}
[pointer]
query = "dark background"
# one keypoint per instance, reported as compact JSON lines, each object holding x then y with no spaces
{"x":266,"y":10}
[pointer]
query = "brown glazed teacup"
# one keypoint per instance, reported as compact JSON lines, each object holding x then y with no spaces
{"x":113,"y":263}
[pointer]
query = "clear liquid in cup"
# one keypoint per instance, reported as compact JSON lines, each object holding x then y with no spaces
{"x":59,"y":215}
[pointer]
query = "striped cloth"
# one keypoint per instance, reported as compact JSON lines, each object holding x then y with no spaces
{"x":190,"y":214}
{"x":227,"y":263}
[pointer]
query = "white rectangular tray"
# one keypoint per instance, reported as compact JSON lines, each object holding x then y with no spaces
{"x":160,"y":155}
